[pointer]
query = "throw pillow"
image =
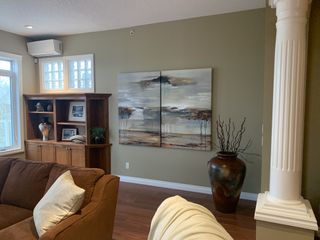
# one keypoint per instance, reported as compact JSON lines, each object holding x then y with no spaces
{"x":63,"y":199}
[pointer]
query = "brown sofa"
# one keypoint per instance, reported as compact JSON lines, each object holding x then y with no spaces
{"x":24,"y":182}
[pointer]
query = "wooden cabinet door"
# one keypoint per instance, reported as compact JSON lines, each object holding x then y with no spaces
{"x":62,"y":155}
{"x":77,"y":155}
{"x":47,"y":153}
{"x":33,"y":151}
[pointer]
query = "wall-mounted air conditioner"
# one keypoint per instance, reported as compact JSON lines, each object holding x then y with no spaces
{"x":45,"y":48}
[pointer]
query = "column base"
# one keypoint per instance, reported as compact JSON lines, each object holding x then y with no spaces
{"x":291,"y":213}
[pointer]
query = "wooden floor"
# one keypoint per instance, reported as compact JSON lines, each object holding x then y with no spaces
{"x":138,"y":203}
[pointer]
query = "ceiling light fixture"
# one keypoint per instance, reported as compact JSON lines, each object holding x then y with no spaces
{"x":28,"y":26}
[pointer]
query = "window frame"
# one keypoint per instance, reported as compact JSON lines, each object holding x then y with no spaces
{"x":65,"y":60}
{"x":78,"y":58}
{"x":15,"y":75}
{"x":42,"y":61}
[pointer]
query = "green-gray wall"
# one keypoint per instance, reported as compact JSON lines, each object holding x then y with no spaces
{"x":12,"y":43}
{"x":311,"y":157}
{"x":270,"y":32}
{"x":232,"y":44}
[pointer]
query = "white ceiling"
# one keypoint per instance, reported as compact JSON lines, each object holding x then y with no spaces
{"x":64,"y":17}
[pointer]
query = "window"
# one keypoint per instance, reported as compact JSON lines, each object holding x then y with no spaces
{"x":10,"y":103}
{"x":67,"y":74}
{"x":53,"y":75}
{"x":80,"y":72}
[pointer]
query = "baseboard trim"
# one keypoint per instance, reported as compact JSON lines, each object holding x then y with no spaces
{"x":180,"y":186}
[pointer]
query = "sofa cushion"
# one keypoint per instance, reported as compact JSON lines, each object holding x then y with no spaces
{"x":177,"y":218}
{"x":5,"y":164}
{"x":10,"y":215}
{"x":63,"y":199}
{"x":23,"y":230}
{"x":85,"y":178}
{"x":26,"y":183}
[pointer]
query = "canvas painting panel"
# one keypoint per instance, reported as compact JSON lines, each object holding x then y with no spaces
{"x":186,"y":109}
{"x":139,"y":108}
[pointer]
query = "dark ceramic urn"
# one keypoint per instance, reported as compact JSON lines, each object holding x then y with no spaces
{"x":227,"y":173}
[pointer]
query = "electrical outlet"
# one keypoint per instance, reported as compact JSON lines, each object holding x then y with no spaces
{"x":127,"y":165}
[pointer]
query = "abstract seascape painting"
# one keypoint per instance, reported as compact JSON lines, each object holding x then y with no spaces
{"x":186,"y":109}
{"x":139,"y":108}
{"x":170,"y":109}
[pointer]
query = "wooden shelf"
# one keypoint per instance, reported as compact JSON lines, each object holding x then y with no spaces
{"x":72,"y":123}
{"x":99,"y":145}
{"x":67,"y":152}
{"x":44,"y":112}
{"x":70,"y":143}
{"x":38,"y":140}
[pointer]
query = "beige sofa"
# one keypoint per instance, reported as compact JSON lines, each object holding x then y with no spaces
{"x":24,"y":182}
{"x":177,"y":218}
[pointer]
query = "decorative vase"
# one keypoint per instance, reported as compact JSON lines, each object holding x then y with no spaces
{"x":45,"y":128}
{"x":39,"y":107}
{"x":227,"y":173}
{"x":49,"y":108}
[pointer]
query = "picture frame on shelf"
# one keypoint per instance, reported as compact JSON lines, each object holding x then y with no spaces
{"x":77,"y":111}
{"x":67,"y":133}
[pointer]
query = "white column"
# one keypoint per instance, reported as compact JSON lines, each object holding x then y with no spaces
{"x":288,"y":99}
{"x":284,"y":204}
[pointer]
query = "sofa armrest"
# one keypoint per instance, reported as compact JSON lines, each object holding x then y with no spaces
{"x":95,"y":221}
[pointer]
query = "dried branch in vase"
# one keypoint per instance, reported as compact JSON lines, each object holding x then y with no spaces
{"x":229,"y":138}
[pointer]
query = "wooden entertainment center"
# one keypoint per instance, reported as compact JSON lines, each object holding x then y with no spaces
{"x":56,"y":108}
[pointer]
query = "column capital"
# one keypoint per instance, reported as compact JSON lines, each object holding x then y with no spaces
{"x":297,"y":3}
{"x":290,"y":8}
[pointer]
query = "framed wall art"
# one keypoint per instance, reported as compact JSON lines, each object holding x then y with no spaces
{"x":67,"y":133}
{"x":77,"y":111}
{"x":170,"y":109}
{"x":139,"y":108}
{"x":186,"y":109}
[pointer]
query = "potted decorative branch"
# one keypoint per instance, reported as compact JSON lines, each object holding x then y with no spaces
{"x":226,"y":170}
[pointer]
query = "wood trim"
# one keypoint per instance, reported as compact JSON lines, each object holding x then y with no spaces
{"x":180,"y":186}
